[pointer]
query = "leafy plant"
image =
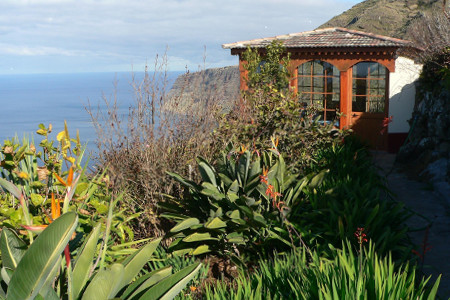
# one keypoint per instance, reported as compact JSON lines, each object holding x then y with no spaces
{"x":239,"y":210}
{"x":30,"y":273}
{"x":37,"y":176}
{"x":346,"y":276}
{"x":269,"y":71}
{"x":353,"y":195}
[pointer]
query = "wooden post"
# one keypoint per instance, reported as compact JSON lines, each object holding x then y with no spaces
{"x":346,"y":99}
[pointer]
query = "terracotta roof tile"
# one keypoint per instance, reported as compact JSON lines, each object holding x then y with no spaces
{"x":324,"y":38}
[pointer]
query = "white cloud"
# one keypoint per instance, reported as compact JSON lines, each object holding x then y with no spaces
{"x":134,"y":30}
{"x":6,"y":49}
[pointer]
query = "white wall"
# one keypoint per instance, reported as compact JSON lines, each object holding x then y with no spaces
{"x":402,"y":93}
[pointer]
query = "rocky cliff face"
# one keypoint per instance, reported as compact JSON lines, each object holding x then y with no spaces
{"x":220,"y":85}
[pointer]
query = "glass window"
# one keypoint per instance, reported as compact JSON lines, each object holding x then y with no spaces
{"x":369,"y":87}
{"x":319,"y":85}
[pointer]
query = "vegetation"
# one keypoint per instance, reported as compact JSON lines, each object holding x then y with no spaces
{"x":157,"y":136}
{"x":239,"y":211}
{"x":298,"y":276}
{"x":39,"y":272}
{"x":285,"y":210}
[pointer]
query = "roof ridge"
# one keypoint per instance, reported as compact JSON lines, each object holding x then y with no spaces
{"x":262,"y":42}
{"x":373,"y":35}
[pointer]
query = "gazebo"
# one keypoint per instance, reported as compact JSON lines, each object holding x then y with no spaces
{"x":366,"y":77}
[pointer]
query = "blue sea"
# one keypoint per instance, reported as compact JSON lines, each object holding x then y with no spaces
{"x":28,"y":100}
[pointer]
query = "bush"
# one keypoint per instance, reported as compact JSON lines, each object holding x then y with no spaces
{"x":38,"y":271}
{"x":239,"y":211}
{"x":39,"y":182}
{"x":159,"y":134}
{"x":353,"y":195}
{"x":346,"y":276}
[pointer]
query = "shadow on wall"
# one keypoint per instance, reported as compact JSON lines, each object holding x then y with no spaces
{"x":401,"y":106}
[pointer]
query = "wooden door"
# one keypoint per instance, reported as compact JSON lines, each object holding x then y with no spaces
{"x":369,"y":126}
{"x":370,"y":104}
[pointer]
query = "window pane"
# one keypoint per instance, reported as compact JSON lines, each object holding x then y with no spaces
{"x":359,"y":104}
{"x":318,"y":81}
{"x":360,"y":70}
{"x":376,"y":104}
{"x":359,"y":87}
{"x":330,"y":103}
{"x":317,"y":69}
{"x":330,"y":116}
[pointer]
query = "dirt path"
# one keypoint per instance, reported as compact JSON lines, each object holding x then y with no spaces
{"x":431,"y":203}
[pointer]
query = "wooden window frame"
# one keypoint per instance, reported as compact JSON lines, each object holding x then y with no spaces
{"x":369,"y":96}
{"x":301,"y":90}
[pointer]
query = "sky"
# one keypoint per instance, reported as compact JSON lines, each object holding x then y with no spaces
{"x":69,"y":36}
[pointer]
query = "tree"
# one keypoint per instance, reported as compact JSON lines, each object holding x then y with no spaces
{"x":268,"y":70}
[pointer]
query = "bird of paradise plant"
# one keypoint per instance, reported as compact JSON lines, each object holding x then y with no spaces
{"x":70,"y":185}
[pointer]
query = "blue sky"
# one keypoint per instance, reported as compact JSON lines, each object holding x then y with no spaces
{"x":65,"y":36}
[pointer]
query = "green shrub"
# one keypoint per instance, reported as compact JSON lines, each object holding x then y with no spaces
{"x":37,"y":183}
{"x":39,"y":272}
{"x":240,"y":210}
{"x":346,"y":276}
{"x":353,"y":195}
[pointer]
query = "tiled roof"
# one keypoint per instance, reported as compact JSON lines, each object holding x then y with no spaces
{"x":324,"y":38}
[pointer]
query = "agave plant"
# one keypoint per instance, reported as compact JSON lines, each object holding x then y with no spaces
{"x":39,"y":273}
{"x":240,"y":209}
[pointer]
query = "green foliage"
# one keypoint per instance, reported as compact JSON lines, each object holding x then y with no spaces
{"x":346,"y":276}
{"x":33,"y":272}
{"x":353,"y":195}
{"x":269,"y":71}
{"x":32,"y":176}
{"x":435,"y":73}
{"x":36,"y":264}
{"x":239,"y":210}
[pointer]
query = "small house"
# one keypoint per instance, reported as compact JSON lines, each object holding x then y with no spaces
{"x":367,"y":78}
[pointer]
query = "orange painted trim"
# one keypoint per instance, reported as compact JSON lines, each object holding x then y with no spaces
{"x":346,"y":99}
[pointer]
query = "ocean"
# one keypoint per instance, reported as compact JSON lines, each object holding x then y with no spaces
{"x":28,"y":100}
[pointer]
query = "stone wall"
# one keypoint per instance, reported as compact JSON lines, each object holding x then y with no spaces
{"x":428,"y":147}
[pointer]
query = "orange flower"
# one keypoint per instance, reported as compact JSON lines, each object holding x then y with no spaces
{"x":269,"y":190}
{"x":384,"y":124}
{"x":263,"y":177}
{"x":243,"y":149}
{"x":56,"y":213}
{"x":360,"y":235}
{"x":69,"y":178}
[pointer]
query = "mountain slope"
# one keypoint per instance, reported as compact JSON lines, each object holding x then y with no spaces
{"x":386,"y":17}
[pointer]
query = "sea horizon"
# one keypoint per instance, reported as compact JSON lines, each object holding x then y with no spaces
{"x":28,"y":100}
